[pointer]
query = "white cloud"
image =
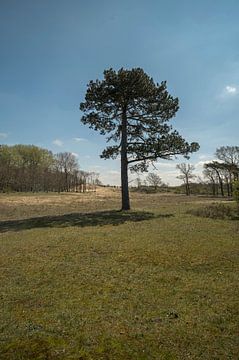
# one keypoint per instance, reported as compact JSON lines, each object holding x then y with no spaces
{"x":169,"y":165}
{"x":231,"y":89}
{"x":3,"y":135}
{"x":204,"y":157}
{"x":201,"y":163}
{"x":57,"y":142}
{"x":75,"y":154}
{"x":96,"y":167}
{"x":114,"y":172}
{"x":110,"y":177}
{"x":78,"y":139}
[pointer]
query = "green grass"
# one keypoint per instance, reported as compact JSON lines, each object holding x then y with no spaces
{"x":80,"y":280}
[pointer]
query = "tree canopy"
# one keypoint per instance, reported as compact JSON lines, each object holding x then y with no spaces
{"x":133,"y":111}
{"x":224,"y":171}
{"x":31,"y":168}
{"x":154,"y":180}
{"x":228,"y":154}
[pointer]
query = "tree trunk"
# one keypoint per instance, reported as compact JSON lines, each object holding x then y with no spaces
{"x":228,"y":187}
{"x":213,"y":188}
{"x":124,"y":164}
{"x":187,"y":186}
{"x":221,"y":186}
{"x":230,"y":183}
{"x":220,"y":182}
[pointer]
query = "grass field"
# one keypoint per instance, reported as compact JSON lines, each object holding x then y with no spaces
{"x":81,"y":280}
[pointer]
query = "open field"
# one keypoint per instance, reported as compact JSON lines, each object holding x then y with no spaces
{"x":81,"y":280}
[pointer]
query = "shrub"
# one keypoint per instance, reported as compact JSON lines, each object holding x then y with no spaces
{"x":215,"y":211}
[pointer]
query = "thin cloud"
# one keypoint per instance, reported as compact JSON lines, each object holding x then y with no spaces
{"x":113,"y":172}
{"x":78,"y":139}
{"x":204,"y":157}
{"x":3,"y":135}
{"x":97,"y":167}
{"x":57,"y":142}
{"x":168,"y":165}
{"x":110,"y":177}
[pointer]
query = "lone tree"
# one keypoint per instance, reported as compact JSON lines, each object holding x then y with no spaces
{"x":154,"y":180}
{"x":186,"y":175}
{"x":134,"y":112}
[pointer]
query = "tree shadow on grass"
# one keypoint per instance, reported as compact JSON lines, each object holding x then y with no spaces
{"x":100,"y":218}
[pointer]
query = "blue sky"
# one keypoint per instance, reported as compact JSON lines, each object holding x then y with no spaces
{"x":50,"y":49}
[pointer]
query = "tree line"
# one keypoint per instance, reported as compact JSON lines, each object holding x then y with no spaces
{"x":222,"y":173}
{"x":219,"y":174}
{"x":29,"y":168}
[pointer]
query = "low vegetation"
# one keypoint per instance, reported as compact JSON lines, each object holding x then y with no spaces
{"x":81,"y":280}
{"x":215,"y":211}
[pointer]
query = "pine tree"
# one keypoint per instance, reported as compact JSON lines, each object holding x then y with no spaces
{"x":133,"y":112}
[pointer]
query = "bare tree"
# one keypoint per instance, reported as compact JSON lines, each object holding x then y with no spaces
{"x":154,"y":180}
{"x":186,"y":175}
{"x":228,"y":154}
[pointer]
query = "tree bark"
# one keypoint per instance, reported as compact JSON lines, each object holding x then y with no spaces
{"x":230,"y":183}
{"x":213,"y":188}
{"x":228,"y":187}
{"x":220,"y":182}
{"x":187,"y":186}
{"x":124,"y":164}
{"x":221,"y":186}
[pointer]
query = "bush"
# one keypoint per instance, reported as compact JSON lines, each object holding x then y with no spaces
{"x":215,"y":211}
